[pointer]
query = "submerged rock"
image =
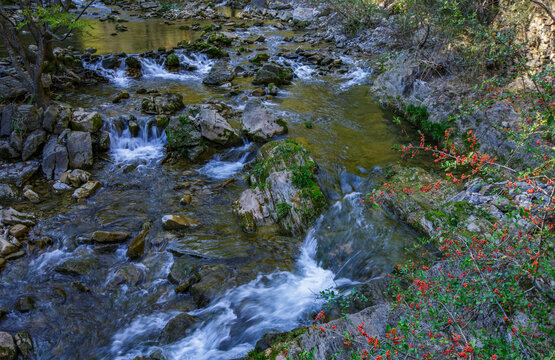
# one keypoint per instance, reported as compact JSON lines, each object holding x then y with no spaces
{"x":284,"y":189}
{"x":170,"y":222}
{"x":14,"y":217}
{"x":177,"y":328}
{"x":260,"y":124}
{"x":17,"y":174}
{"x":109,"y":237}
{"x":78,"y":266}
{"x":136,"y":247}
{"x":87,"y":190}
{"x":24,"y":344}
{"x":6,"y":247}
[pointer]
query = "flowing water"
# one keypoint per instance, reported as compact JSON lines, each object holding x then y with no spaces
{"x":269,"y":282}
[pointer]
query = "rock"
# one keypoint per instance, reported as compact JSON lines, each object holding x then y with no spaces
{"x":214,"y":280}
{"x":32,"y":143}
{"x":8,"y":192}
{"x":134,"y":67}
{"x":19,"y":231}
{"x":7,"y":152}
{"x":24,"y":344}
{"x":182,"y":269}
{"x":133,"y":128}
{"x":215,"y":128}
{"x":6,"y":247}
{"x":304,"y":15}
{"x":136,"y":247}
{"x":76,"y":177}
{"x":260,"y":124}
{"x":260,"y":58}
{"x":79,"y":147}
{"x":259,"y":92}
{"x":61,"y":187}
{"x":17,"y":174}
{"x":162,"y":104}
{"x":14,"y":217}
{"x":31,"y":196}
{"x":111,"y":62}
{"x":182,"y":134}
{"x":56,"y":118}
{"x":8,"y":350}
{"x":284,"y":190}
{"x":78,"y":266}
{"x":27,"y":119}
{"x":11,"y":88}
{"x":87,"y":121}
{"x":130,"y":275}
{"x":54,"y":159}
{"x":172,"y":61}
{"x":109,"y":237}
{"x":273,"y":73}
{"x":177,"y":328}
{"x":16,"y":255}
{"x":122,"y":95}
{"x":101,"y":141}
{"x":24,"y":304}
{"x":3,"y":263}
{"x":6,"y":119}
{"x":87,"y":190}
{"x":222,"y":72}
{"x":170,"y":222}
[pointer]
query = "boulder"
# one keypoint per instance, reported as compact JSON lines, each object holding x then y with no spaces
{"x":19,"y":231}
{"x":184,"y":137}
{"x":31,"y":196}
{"x":260,"y":124}
{"x":54,"y":159}
{"x":172,"y":61}
{"x":136,"y":247}
{"x":215,"y":128}
{"x":130,"y":275}
{"x":14,"y":217}
{"x":122,"y":95}
{"x":56,"y":118}
{"x":162,"y":104}
{"x":101,"y":141}
{"x":170,"y":222}
{"x":8,"y":350}
{"x":27,"y":119}
{"x":222,"y":72}
{"x":17,"y":140}
{"x":87,"y":190}
{"x":304,"y":15}
{"x":11,"y":88}
{"x":177,"y":328}
{"x":87,"y":121}
{"x":33,"y":143}
{"x":134,"y":67}
{"x":18,"y":173}
{"x":284,"y":190}
{"x":273,"y":73}
{"x":109,"y":237}
{"x":214,"y":281}
{"x":79,"y":147}
{"x":111,"y":62}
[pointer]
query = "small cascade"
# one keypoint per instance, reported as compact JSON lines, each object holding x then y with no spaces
{"x":228,"y":164}
{"x":232,"y":324}
{"x":116,"y":76}
{"x":358,"y":74}
{"x":147,"y":146}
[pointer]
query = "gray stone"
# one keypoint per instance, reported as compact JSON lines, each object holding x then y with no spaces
{"x":61,"y":187}
{"x":6,"y":122}
{"x":177,"y":328}
{"x":87,"y":121}
{"x":27,"y":118}
{"x":56,"y":118}
{"x":179,"y":222}
{"x":273,"y":73}
{"x":8,"y":350}
{"x":79,"y":147}
{"x":182,"y":133}
{"x":18,"y":173}
{"x":222,"y":72}
{"x":215,"y":128}
{"x":33,"y":143}
{"x":259,"y":123}
{"x":8,"y":192}
{"x":78,"y":266}
{"x":162,"y":104}
{"x":31,"y":196}
{"x":301,"y":14}
{"x":54,"y":159}
{"x":6,"y":247}
{"x":16,"y":140}
{"x":11,"y":88}
{"x":24,"y":344}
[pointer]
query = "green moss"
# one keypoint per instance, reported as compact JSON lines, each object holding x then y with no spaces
{"x":260,"y":58}
{"x":282,"y":210}
{"x":208,"y":49}
{"x":180,"y":136}
{"x":308,"y":124}
{"x":172,"y":61}
{"x":219,"y":40}
{"x":418,"y":115}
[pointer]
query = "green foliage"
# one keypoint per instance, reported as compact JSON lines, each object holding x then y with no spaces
{"x":303,"y":177}
{"x":342,"y":301}
{"x":308,"y":124}
{"x":282,"y":210}
{"x":180,"y":136}
{"x":54,"y":17}
{"x":418,"y":115}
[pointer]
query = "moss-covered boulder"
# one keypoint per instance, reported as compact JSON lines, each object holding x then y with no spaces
{"x":162,"y":104}
{"x":273,"y":73}
{"x":203,"y":47}
{"x":172,"y":62}
{"x":284,"y":190}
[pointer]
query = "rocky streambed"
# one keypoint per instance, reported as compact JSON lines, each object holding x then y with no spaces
{"x":195,"y":199}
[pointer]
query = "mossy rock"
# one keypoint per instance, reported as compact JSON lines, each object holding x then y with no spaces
{"x":172,"y":61}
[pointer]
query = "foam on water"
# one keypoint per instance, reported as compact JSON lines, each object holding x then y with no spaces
{"x":227,"y":166}
{"x":146,"y":147}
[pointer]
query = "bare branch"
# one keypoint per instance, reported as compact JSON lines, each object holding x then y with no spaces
{"x":545,"y":8}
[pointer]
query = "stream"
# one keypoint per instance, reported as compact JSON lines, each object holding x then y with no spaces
{"x":262,"y":281}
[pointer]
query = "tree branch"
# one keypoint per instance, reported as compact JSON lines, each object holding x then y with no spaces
{"x":545,"y":8}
